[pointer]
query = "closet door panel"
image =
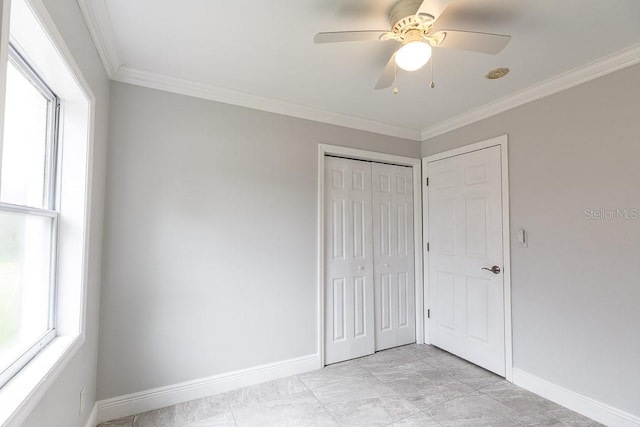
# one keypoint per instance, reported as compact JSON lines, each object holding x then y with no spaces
{"x":349,"y":295}
{"x":393,"y":260}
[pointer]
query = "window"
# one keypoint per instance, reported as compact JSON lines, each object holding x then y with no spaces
{"x":28,"y":217}
{"x":45,"y":207}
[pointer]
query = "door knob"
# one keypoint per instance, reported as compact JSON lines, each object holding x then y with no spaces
{"x":495,"y":269}
{"x":361,"y":267}
{"x":387,"y":265}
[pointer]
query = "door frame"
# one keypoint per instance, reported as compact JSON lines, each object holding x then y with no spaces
{"x":356,"y":154}
{"x":503,"y":142}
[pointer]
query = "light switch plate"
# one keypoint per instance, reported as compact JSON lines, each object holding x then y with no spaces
{"x":523,"y":238}
{"x":82,"y":401}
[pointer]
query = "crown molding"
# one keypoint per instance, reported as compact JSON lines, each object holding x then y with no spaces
{"x":126,"y":74}
{"x":96,"y":16}
{"x":590,"y":71}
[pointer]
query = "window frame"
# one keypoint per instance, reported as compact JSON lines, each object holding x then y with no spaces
{"x":82,"y":136}
{"x":51,"y":205}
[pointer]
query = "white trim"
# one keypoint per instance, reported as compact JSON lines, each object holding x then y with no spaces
{"x":49,"y":26}
{"x":492,"y":142}
{"x":320,"y":302}
{"x":24,"y":391}
{"x":93,"y":416}
{"x":96,"y":15}
{"x":134,"y":76}
{"x":506,"y":257}
{"x":418,"y":250}
{"x":579,"y":403}
{"x":5,"y":14}
{"x":324,"y":149}
{"x":598,"y":68}
{"x":503,"y":143}
{"x":425,"y":255}
{"x":160,"y":397}
{"x":40,"y":11}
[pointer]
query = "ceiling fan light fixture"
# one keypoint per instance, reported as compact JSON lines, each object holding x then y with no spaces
{"x":413,"y":55}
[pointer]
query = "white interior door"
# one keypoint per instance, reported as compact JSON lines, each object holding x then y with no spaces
{"x":465,"y":233}
{"x":393,"y":255}
{"x":349,"y":317}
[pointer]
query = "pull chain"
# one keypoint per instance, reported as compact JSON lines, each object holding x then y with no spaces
{"x":432,"y":85}
{"x":395,"y":78}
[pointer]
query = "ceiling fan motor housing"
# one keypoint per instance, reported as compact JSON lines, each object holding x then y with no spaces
{"x":405,"y":22}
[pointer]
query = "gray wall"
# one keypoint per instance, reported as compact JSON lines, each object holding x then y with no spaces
{"x":576,"y":290}
{"x":210,"y":237}
{"x":60,"y":405}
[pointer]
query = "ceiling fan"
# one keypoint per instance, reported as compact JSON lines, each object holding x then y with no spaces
{"x":411,"y":24}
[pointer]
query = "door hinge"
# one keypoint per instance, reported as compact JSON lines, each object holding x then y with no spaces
{"x":428,"y":313}
{"x":428,"y":247}
{"x":427,"y":181}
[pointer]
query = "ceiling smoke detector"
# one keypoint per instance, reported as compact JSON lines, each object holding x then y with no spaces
{"x":498,"y":73}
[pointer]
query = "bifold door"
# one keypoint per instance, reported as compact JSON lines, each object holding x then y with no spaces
{"x":395,"y":314}
{"x":369,"y":279}
{"x":349,"y":325}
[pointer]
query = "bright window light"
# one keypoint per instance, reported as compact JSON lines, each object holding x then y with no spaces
{"x":25,"y":267}
{"x":45,"y":199}
{"x":24,"y":146}
{"x":28,"y":218}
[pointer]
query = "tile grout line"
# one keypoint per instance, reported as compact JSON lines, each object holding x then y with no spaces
{"x":320,"y":403}
{"x":337,"y":382}
{"x":560,"y":407}
{"x":233,"y":415}
{"x":448,"y":377}
{"x":323,"y":406}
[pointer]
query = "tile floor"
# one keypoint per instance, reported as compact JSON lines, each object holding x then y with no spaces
{"x":414,"y":385}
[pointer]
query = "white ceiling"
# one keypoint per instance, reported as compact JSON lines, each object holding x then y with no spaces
{"x":261,"y":54}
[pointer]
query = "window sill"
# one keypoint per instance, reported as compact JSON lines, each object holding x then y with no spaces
{"x":23,"y":392}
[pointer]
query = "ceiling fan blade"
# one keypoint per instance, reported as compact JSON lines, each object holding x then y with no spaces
{"x":469,"y":40}
{"x":349,"y":36}
{"x":433,"y":8}
{"x":388,"y":74}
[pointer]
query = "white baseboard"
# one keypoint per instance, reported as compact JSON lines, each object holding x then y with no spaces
{"x":148,"y":400}
{"x":93,"y":417}
{"x":584,"y":405}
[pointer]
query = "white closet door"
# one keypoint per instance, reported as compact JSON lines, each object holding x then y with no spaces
{"x":349,"y":324}
{"x":393,"y":255}
{"x":465,"y":228}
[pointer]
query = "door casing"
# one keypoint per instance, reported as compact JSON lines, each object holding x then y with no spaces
{"x":502,"y":142}
{"x":356,"y":154}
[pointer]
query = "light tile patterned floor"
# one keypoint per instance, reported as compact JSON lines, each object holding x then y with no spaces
{"x":414,"y":385}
